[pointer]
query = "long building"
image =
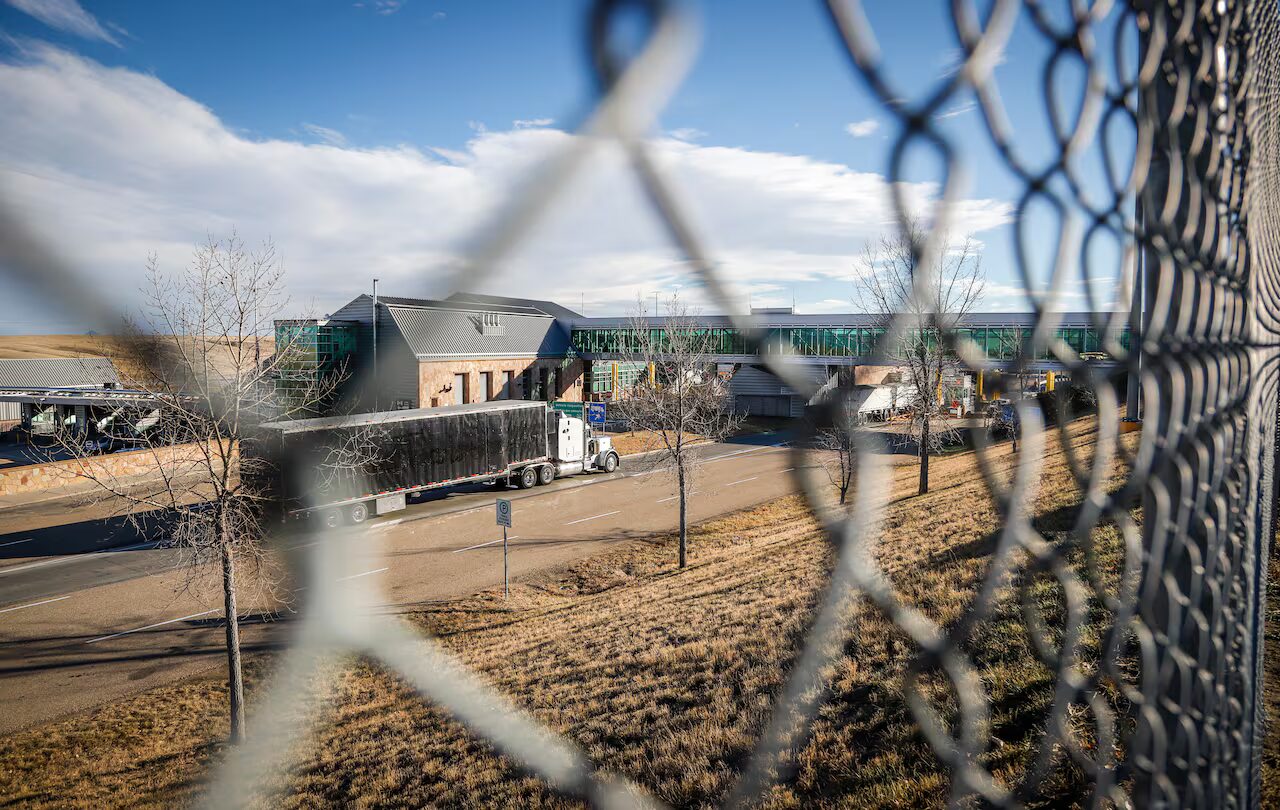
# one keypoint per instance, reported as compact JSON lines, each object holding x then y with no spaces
{"x":476,"y":348}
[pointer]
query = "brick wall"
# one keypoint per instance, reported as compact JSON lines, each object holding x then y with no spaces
{"x":873,"y":375}
{"x":58,"y":474}
{"x":436,"y":379}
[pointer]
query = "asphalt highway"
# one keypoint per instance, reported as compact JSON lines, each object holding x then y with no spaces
{"x":92,"y":610}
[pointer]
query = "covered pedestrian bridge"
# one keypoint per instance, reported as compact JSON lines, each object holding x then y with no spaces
{"x":845,"y":340}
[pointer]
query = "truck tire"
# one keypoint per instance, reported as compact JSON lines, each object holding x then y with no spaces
{"x":331,"y":518}
{"x":611,"y":462}
{"x":546,"y":474}
{"x":358,"y":513}
{"x":528,"y":478}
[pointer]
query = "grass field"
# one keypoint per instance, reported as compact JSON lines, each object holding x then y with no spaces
{"x":13,"y":347}
{"x":663,"y":676}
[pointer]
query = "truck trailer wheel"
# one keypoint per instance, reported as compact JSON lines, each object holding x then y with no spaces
{"x":546,"y":474}
{"x":331,"y":518}
{"x":358,"y":513}
{"x":528,"y":478}
{"x":610,"y":463}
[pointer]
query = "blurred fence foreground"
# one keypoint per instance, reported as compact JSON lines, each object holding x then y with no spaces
{"x":1167,"y":151}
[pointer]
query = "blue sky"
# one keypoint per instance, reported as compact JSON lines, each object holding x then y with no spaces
{"x":370,"y":138}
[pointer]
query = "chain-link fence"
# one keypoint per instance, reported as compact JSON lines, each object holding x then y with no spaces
{"x":1171,"y":705}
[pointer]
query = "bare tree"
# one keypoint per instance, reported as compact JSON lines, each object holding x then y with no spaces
{"x":886,"y":287}
{"x":838,"y":458}
{"x":202,"y":356}
{"x":681,"y":400}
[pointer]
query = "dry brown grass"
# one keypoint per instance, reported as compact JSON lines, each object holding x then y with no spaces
{"x":1271,"y":689}
{"x":642,"y":441}
{"x":14,"y":347}
{"x":665,"y":677}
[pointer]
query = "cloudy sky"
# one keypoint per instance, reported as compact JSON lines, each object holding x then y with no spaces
{"x":375,"y":138}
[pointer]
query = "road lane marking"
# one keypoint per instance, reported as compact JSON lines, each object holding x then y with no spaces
{"x":593,"y":517}
{"x":75,"y":558}
{"x":743,"y":481}
{"x":386,"y":524}
{"x":357,"y":576}
{"x":482,"y":545}
{"x":742,"y":452}
{"x":151,"y":626}
{"x":16,"y":542}
{"x":789,"y":469}
{"x":36,"y":604}
{"x":673,"y":497}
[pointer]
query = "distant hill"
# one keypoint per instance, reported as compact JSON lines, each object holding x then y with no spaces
{"x":13,"y":347}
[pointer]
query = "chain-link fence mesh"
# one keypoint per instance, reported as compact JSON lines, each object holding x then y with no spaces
{"x":1168,"y":712}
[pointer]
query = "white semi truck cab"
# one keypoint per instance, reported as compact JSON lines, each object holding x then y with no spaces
{"x":579,"y":450}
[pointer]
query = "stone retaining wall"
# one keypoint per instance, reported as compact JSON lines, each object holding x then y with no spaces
{"x":59,"y":474}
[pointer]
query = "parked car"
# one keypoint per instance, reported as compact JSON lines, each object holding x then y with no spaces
{"x":1003,"y":418}
{"x":107,"y":443}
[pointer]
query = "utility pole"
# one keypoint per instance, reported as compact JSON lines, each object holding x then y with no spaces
{"x":375,"y":344}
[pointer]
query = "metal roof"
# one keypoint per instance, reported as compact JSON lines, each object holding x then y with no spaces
{"x":549,"y":307}
{"x":464,"y":333}
{"x":57,"y":372}
{"x":847,"y":319}
{"x":287,"y":426}
{"x":464,"y":306}
{"x":78,"y":396}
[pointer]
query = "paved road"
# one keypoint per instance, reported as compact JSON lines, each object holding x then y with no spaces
{"x":93,"y":625}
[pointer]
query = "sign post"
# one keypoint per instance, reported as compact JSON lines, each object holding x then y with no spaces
{"x":504,"y":520}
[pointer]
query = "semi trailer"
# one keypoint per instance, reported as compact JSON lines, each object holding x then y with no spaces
{"x":342,"y":469}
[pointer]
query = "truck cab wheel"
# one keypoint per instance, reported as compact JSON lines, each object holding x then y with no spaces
{"x":331,"y":518}
{"x":528,"y":478}
{"x":610,"y":463}
{"x":358,"y":513}
{"x":546,"y":474}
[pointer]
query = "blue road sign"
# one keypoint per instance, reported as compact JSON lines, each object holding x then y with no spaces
{"x":595,"y":413}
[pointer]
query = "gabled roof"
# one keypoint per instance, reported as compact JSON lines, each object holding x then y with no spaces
{"x":549,"y":307}
{"x":57,"y":372}
{"x":435,"y":332}
{"x":463,"y":306}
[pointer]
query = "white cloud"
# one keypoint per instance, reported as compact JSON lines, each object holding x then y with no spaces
{"x":828,"y":305}
{"x":687,"y":134}
{"x":863,"y":128}
{"x":330,"y":136}
{"x":528,"y":123}
{"x":108,"y":165}
{"x":959,"y":109}
{"x":383,"y":7}
{"x":68,"y":16}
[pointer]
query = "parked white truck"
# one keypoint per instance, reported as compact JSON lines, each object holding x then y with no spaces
{"x":510,"y":442}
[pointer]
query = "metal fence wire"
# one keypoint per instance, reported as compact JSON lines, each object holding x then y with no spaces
{"x":1190,"y":199}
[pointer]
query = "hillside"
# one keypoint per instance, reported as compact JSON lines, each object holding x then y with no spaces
{"x":663,"y":676}
{"x":14,"y":347}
